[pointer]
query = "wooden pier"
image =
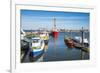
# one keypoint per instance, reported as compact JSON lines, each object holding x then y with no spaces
{"x":78,"y":43}
{"x":83,"y":48}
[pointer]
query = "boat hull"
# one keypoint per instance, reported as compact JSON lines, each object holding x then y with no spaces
{"x":55,"y":34}
{"x":37,"y":47}
{"x":36,"y":53}
{"x":69,"y":43}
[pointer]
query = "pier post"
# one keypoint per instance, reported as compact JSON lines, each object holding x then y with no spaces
{"x":82,"y":36}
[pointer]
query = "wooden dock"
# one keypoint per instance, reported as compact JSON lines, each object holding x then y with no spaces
{"x":83,"y":48}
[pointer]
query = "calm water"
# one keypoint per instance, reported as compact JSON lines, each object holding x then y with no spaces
{"x":56,"y":50}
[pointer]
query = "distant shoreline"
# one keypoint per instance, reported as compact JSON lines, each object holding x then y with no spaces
{"x":85,"y":30}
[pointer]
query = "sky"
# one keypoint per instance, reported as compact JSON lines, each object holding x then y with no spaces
{"x":36,"y":19}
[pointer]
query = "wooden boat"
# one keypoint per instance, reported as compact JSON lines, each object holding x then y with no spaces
{"x":76,"y":43}
{"x":69,"y":42}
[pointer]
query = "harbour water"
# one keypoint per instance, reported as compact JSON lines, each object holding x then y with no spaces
{"x":56,"y":50}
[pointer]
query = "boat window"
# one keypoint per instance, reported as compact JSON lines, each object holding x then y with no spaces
{"x":35,"y":40}
{"x":21,"y":32}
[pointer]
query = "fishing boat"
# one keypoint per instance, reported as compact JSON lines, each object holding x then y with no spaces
{"x":24,"y":44}
{"x":54,"y":30}
{"x":79,"y":40}
{"x":72,"y":41}
{"x":23,"y":34}
{"x":37,"y":46}
{"x":44,"y":36}
{"x":81,"y":44}
{"x":69,"y":42}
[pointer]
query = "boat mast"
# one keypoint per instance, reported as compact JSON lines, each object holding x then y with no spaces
{"x":54,"y":23}
{"x":82,"y":32}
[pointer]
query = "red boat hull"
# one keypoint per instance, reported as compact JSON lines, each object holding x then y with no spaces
{"x":55,"y":34}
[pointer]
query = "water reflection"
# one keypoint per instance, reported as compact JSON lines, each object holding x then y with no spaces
{"x":45,"y":48}
{"x":56,"y":50}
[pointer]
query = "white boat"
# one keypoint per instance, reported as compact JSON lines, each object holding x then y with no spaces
{"x":44,"y":36}
{"x":22,"y":34}
{"x":37,"y":46}
{"x":78,"y":39}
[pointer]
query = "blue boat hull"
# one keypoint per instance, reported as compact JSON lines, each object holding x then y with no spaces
{"x":37,"y":53}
